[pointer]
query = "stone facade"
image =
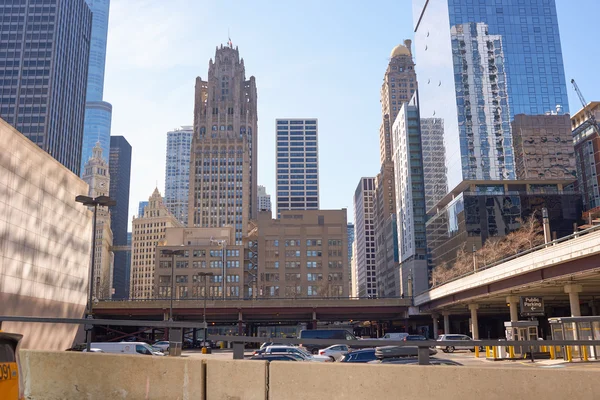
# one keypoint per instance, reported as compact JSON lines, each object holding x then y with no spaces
{"x":223,"y":166}
{"x":302,"y":254}
{"x":96,"y":175}
{"x":148,"y":230}
{"x":45,"y":241}
{"x":201,"y":254}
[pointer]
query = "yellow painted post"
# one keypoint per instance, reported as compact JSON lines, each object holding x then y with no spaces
{"x":552,"y":354}
{"x":569,"y":355}
{"x":495,"y":352}
{"x":487,"y":352}
{"x":585,"y":353}
{"x":477,"y":351}
{"x":511,"y":351}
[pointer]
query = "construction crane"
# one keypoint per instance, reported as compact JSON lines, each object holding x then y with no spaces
{"x":588,"y":112}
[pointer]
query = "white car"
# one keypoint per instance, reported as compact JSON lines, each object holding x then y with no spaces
{"x":335,"y":352}
{"x":163,"y":345}
{"x":296,"y":350}
{"x":467,"y":340}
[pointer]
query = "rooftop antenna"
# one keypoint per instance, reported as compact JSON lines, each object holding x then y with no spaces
{"x":229,"y":38}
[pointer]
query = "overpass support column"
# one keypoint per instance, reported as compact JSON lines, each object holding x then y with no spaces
{"x":573,"y":291}
{"x":314,"y":319}
{"x":446,"y":315}
{"x":513,"y":301}
{"x":474,"y":322}
{"x":435,"y":325}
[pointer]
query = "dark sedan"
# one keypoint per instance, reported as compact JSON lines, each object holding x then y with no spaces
{"x":359,"y":356}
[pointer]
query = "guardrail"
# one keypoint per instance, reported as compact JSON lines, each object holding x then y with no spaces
{"x":521,"y":254}
{"x":422,"y":346}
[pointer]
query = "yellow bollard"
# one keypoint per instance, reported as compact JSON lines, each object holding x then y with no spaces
{"x":552,"y":355}
{"x":511,"y":352}
{"x":495,"y":352}
{"x":569,"y":355}
{"x":584,"y":352}
{"x":477,"y":351}
{"x":203,"y":350}
{"x":222,"y":345}
{"x":487,"y":352}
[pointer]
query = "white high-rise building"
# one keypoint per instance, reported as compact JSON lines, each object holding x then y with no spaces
{"x":297,"y":164}
{"x":264,"y":199}
{"x":364,"y":257}
{"x":177,"y":172}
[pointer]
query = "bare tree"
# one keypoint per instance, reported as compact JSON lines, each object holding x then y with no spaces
{"x":528,"y":236}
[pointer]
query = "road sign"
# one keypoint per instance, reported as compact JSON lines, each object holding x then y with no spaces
{"x":532,"y":306}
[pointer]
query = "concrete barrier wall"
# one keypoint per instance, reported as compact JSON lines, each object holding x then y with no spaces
{"x":290,"y":381}
{"x":236,"y":380}
{"x":71,"y":375}
{"x":74,"y":375}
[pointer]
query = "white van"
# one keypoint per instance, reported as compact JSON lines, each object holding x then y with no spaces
{"x":126,"y":348}
{"x":395,"y":336}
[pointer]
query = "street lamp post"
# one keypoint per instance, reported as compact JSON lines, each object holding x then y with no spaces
{"x":104,"y":201}
{"x":172,"y":253}
{"x":205,"y":276}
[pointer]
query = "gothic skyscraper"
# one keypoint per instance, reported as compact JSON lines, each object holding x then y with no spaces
{"x":223,"y":165}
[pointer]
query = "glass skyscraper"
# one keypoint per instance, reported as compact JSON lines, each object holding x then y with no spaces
{"x":177,"y":172}
{"x":44,"y":54}
{"x":119,"y":166}
{"x":480,"y":64}
{"x":297,"y":164}
{"x":98,"y":113}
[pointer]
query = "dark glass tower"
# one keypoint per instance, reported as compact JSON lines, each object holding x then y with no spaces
{"x":120,"y":171}
{"x":480,"y":64}
{"x":44,"y":54}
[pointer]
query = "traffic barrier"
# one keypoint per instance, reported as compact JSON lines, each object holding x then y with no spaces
{"x":94,"y":376}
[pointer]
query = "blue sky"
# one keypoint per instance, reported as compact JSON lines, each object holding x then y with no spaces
{"x":322,"y":59}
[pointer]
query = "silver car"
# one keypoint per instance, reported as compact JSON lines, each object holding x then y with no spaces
{"x":468,"y":343}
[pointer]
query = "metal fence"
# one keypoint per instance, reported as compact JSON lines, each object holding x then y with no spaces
{"x":239,"y":342}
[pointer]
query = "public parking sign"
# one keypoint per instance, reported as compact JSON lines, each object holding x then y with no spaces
{"x":532,"y":306}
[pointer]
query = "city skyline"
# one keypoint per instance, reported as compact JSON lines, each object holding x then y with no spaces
{"x":169,"y":95}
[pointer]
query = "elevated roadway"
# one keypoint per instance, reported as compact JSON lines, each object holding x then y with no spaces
{"x":565,"y":271}
{"x":258,"y":310}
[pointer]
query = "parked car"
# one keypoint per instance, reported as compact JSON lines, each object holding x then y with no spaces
{"x":414,"y":361}
{"x":468,"y":343}
{"x":340,"y":334}
{"x":296,"y":350}
{"x":359,"y":356}
{"x":163,"y":345}
{"x":395,"y":336}
{"x":266,"y":344}
{"x":335,"y":352}
{"x":414,"y":337}
{"x":276,"y":357}
{"x":400,"y":351}
{"x":126,"y":348}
